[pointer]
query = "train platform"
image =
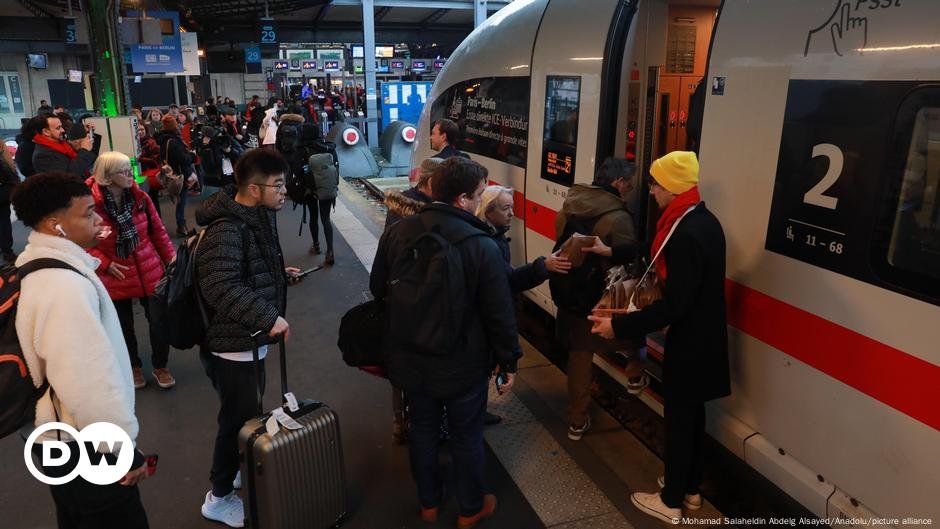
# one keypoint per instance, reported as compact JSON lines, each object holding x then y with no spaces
{"x":541,"y":478}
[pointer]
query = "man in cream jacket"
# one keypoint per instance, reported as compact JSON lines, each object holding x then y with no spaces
{"x":71,"y":337}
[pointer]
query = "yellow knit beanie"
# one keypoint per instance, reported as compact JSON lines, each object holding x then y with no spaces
{"x":677,"y":172}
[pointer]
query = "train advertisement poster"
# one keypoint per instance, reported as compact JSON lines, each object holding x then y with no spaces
{"x":493,"y":116}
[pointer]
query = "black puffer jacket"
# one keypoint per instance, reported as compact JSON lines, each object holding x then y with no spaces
{"x":178,"y":156}
{"x":489,"y":336}
{"x":403,"y":204}
{"x":242,"y":301}
{"x":521,"y":278}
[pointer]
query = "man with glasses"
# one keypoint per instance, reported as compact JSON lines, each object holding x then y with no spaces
{"x":55,"y":153}
{"x":243,"y":280}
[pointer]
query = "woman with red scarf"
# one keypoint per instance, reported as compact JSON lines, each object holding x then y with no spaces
{"x":689,"y":254}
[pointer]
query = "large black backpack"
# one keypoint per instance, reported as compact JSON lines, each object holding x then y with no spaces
{"x":177,"y":311}
{"x":426,"y":296}
{"x":18,"y":394}
{"x":287,"y":137}
{"x":581,"y":288}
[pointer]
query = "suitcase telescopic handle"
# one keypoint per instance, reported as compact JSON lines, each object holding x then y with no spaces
{"x":257,"y":363}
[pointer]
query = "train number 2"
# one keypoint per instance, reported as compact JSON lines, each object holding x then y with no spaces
{"x":815,"y":195}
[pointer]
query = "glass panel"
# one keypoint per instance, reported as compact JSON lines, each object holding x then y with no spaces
{"x":560,"y":138}
{"x":915,"y":237}
{"x":4,"y":98}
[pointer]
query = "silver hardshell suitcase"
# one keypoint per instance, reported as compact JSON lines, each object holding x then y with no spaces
{"x":295,"y":478}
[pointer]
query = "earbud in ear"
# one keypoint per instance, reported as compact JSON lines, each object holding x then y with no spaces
{"x":58,"y":228}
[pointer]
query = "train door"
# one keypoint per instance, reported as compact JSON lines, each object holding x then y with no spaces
{"x":664,"y":57}
{"x":567,"y":102}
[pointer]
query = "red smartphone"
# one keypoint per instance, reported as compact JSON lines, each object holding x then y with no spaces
{"x":151,"y":461}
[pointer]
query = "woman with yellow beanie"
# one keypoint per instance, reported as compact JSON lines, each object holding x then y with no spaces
{"x":689,"y":256}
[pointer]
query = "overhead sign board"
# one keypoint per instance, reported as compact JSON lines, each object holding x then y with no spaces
{"x":439,"y":63}
{"x":267,"y":33}
{"x":331,"y":65}
{"x":397,"y":65}
{"x":281,"y":66}
{"x":159,"y":58}
{"x":419,"y":66}
{"x":308,"y":65}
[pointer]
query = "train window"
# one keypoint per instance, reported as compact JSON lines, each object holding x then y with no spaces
{"x":915,"y":237}
{"x":560,"y":138}
{"x":908,"y":253}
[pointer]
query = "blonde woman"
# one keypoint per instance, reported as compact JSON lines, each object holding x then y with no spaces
{"x":496,"y":209}
{"x":132,"y":256}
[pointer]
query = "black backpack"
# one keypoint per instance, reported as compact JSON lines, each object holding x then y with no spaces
{"x":361,"y":332}
{"x":287,"y":137}
{"x":177,"y":311}
{"x":581,"y":288}
{"x":18,"y":395}
{"x":426,"y":296}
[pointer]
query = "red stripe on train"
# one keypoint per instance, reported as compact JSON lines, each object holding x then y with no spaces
{"x":893,"y":377}
{"x":898,"y":379}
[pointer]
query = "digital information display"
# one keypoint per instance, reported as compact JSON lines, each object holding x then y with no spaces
{"x":558,"y":164}
{"x":419,"y":66}
{"x":280,"y":66}
{"x":439,"y":63}
{"x":397,"y":65}
{"x":309,"y":65}
{"x":331,"y":65}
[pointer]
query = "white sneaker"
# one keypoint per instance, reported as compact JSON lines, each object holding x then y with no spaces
{"x":228,"y":510}
{"x":575,"y":433}
{"x":652,"y":504}
{"x":237,"y":482}
{"x":692,"y":502}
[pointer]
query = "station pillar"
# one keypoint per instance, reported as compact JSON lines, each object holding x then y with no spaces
{"x":368,"y":60}
{"x":110,"y":97}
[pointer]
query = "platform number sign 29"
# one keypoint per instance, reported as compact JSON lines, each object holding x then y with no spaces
{"x":268,"y":35}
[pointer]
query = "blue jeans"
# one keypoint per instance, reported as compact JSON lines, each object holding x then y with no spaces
{"x":181,"y":208}
{"x":465,"y":419}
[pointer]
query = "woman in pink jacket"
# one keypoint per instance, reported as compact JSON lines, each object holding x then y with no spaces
{"x":133,"y":255}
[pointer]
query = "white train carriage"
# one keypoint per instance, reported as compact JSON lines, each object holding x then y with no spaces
{"x":820,"y":154}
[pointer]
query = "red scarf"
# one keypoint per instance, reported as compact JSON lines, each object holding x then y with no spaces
{"x":679,"y":205}
{"x":60,"y":146}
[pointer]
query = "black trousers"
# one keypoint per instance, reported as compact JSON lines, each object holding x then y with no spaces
{"x":685,"y":432}
{"x":321,"y":208}
{"x":159,"y":351}
{"x":154,"y":195}
{"x":234,"y":382}
{"x":6,"y":227}
{"x":83,"y":505}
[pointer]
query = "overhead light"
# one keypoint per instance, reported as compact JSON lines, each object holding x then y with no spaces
{"x":201,"y":53}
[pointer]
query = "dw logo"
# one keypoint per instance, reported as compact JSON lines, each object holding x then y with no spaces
{"x":94,"y":441}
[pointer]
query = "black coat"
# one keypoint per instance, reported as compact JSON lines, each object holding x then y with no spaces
{"x":24,"y":155}
{"x":244,"y":288}
{"x":173,"y":150}
{"x":399,"y":208}
{"x":524,"y":277}
{"x":489,"y":336}
{"x":693,"y":306}
{"x":211,"y":157}
{"x":46,"y":159}
{"x":450,"y":151}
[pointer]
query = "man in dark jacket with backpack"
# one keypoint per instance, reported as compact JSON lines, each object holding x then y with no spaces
{"x":243,"y":281}
{"x":597,"y":209}
{"x":444,"y":339}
